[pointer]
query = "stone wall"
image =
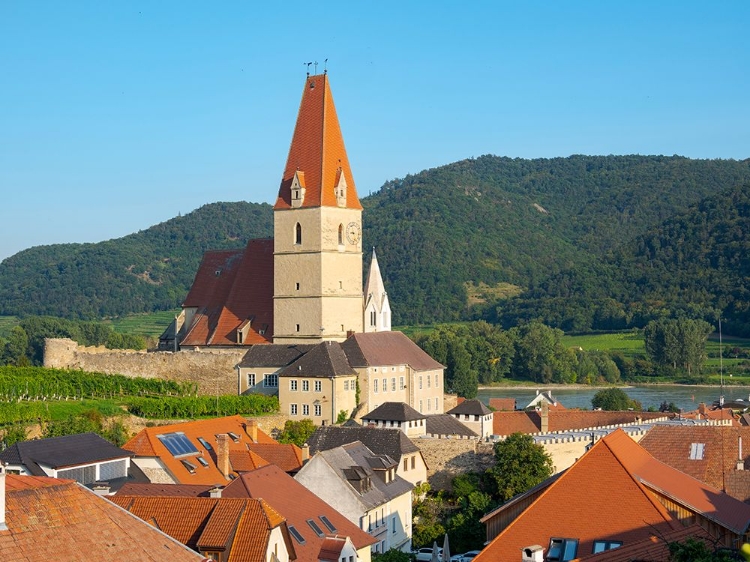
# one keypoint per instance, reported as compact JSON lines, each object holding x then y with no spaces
{"x":447,"y":458}
{"x":212,"y":370}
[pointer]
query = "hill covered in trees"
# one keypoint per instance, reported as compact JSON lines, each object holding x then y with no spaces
{"x":589,"y":241}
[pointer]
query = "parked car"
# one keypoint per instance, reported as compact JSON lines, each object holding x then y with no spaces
{"x":456,"y":557}
{"x":425,"y":554}
{"x":469,"y":556}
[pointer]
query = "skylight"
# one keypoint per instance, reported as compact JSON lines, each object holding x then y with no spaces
{"x":296,"y":534}
{"x":178,"y":444}
{"x":327,"y":523}
{"x":205,"y":443}
{"x":696,"y":451}
{"x":189,"y":466}
{"x":314,"y":527}
{"x":204,"y":462}
{"x":234,"y":436}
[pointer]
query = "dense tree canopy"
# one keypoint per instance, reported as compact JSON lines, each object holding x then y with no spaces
{"x":677,"y":342}
{"x":614,"y":399}
{"x":520,"y":464}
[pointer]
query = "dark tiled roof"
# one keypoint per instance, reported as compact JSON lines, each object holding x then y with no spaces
{"x":393,"y":411}
{"x":387,"y":348}
{"x":62,"y":452}
{"x":445,"y":424}
{"x":471,"y":407}
{"x":317,"y":151}
{"x":655,"y":547}
{"x":326,"y":359}
{"x":274,"y":355}
{"x":55,"y":519}
{"x":391,"y":442}
{"x":231,"y":287}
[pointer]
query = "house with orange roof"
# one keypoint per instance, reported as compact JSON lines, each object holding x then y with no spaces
{"x":310,"y":520}
{"x":222,"y":529}
{"x":44,"y":518}
{"x":718,"y":455}
{"x":210,"y":452}
{"x":615,"y":495}
{"x":502,"y":404}
{"x":713,"y":413}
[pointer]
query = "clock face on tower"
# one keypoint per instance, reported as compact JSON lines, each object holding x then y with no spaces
{"x":353,"y":232}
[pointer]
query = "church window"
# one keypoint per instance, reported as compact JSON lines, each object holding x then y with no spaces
{"x":293,"y":384}
{"x":341,"y":235}
{"x":372,"y":318}
{"x":298,"y":233}
{"x":297,"y":327}
{"x":296,"y":286}
{"x":318,"y":386}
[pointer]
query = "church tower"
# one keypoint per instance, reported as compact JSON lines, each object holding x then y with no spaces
{"x":317,"y":230}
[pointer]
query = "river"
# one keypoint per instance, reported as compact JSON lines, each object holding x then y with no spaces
{"x":685,"y":397}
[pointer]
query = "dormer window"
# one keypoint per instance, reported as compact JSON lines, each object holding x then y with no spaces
{"x":340,"y":188}
{"x":298,"y":189}
{"x":562,"y":550}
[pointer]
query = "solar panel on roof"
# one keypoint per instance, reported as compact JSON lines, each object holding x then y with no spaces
{"x":314,"y":527}
{"x":178,"y":444}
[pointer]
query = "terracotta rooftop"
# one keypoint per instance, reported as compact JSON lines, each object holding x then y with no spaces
{"x":530,"y":421}
{"x":231,"y":288}
{"x":387,"y":349}
{"x":198,"y":433}
{"x":612,"y":491}
{"x":503,"y":404}
{"x":298,"y":505}
{"x":317,"y":152}
{"x":652,"y":549}
{"x":54,"y":519}
{"x":704,"y":412}
{"x":707,"y":453}
{"x":239,"y":527}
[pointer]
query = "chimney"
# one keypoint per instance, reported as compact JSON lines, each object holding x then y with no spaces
{"x":545,"y":417}
{"x":305,"y":452}
{"x":534,"y":553}
{"x":222,"y":454}
{"x":740,"y":460}
{"x":3,"y":526}
{"x":252,"y":430}
{"x":215,"y":492}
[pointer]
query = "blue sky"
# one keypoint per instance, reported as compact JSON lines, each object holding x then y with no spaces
{"x":115,"y":116}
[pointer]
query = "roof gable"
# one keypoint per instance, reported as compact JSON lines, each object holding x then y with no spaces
{"x":231,"y":289}
{"x":387,"y":348}
{"x":393,"y":411}
{"x":471,"y":408}
{"x":317,"y":150}
{"x":392,"y":442}
{"x":326,"y":359}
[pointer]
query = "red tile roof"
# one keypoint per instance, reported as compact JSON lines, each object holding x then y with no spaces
{"x":612,"y":493}
{"x":287,"y":456}
{"x":317,"y":151}
{"x":239,"y":527}
{"x":231,"y":287}
{"x":147,"y":444}
{"x":529,"y":421}
{"x":297,"y":504}
{"x":717,"y":466}
{"x":503,"y":404}
{"x":55,"y":519}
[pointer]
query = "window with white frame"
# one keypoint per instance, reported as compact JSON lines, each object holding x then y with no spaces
{"x":292,"y":384}
{"x":420,"y":382}
{"x":318,"y":386}
{"x":437,"y":384}
{"x":305,"y":386}
{"x":250,"y":379}
{"x":393,"y":384}
{"x":385,"y":385}
{"x":318,"y":410}
{"x":292,"y":409}
{"x":374,"y":385}
{"x":271,"y":381}
{"x":305,"y":409}
{"x":401,"y":384}
{"x":346,"y":385}
{"x":428,"y":381}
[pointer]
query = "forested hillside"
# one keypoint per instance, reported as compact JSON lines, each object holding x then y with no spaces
{"x":560,"y":229}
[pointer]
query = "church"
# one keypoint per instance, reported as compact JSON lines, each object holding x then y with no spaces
{"x":315,"y":335}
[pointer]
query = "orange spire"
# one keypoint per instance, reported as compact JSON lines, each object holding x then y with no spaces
{"x":317,"y":168}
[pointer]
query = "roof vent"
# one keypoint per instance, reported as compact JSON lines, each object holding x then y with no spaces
{"x":534,"y":553}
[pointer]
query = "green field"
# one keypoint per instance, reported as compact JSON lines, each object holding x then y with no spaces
{"x":148,"y":325}
{"x":628,"y":343}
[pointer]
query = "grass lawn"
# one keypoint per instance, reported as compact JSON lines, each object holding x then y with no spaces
{"x":630,"y":343}
{"x":149,"y":325}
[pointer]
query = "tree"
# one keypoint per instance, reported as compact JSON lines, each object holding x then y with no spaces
{"x":614,"y":399}
{"x":520,"y":464}
{"x":540,"y":355}
{"x":16,"y":348}
{"x":297,"y":432}
{"x":677,"y":342}
{"x":391,"y":555}
{"x":694,"y":550}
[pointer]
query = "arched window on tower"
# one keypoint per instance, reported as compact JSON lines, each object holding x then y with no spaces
{"x":341,"y":235}
{"x":298,"y":234}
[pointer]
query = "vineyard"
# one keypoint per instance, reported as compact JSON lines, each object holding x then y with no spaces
{"x":33,"y":394}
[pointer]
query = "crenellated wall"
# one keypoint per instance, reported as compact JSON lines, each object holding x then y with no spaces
{"x":212,"y":370}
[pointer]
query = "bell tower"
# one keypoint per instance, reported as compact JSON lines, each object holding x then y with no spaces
{"x":317,"y":229}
